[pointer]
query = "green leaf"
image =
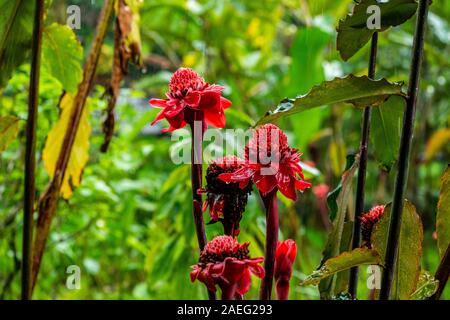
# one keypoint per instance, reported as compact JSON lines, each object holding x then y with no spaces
{"x":385,"y":135}
{"x":344,"y":261}
{"x":410,"y":248}
{"x":443,"y":214}
{"x":353,"y":32}
{"x":426,"y":286}
{"x":359,"y":91}
{"x":16,"y":29}
{"x":9,"y":128}
{"x":333,"y":246}
{"x":333,"y":195}
{"x":62,"y":55}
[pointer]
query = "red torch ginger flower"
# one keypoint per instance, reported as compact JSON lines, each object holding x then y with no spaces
{"x":270,"y":163}
{"x":226,"y":263}
{"x":188,"y":92}
{"x":226,"y":201}
{"x":321,"y":191}
{"x":284,"y":260}
{"x":368,"y":220}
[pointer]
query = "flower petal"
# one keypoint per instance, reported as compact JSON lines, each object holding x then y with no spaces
{"x":158,"y":103}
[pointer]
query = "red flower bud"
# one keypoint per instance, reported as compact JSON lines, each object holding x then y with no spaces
{"x":284,"y":260}
{"x":368,"y":220}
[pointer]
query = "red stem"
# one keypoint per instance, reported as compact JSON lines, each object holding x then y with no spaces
{"x":196,"y":177}
{"x":270,"y":202}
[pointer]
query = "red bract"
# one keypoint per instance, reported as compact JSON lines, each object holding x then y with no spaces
{"x":368,"y":220}
{"x":189,"y":92}
{"x":226,"y":263}
{"x":284,"y":260}
{"x":270,"y":163}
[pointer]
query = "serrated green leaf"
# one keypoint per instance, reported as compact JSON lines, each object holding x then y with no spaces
{"x":16,"y":29}
{"x":358,"y":91}
{"x":443,"y":214}
{"x":385,"y":133}
{"x":9,"y":128}
{"x":344,"y":261}
{"x":410,"y":248}
{"x":353,"y":32}
{"x":62,"y":55}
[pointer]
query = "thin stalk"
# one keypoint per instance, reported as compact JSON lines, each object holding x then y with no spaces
{"x":196,"y":180}
{"x":48,"y":201}
{"x":404,"y":152}
{"x":271,"y":205}
{"x":442,"y":274}
{"x":30,"y":156}
{"x":360,"y":187}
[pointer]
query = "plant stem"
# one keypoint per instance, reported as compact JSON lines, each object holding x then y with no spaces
{"x":30,"y":157}
{"x":404,"y":153}
{"x":442,"y":274}
{"x":49,"y":200}
{"x":271,"y":205}
{"x":360,"y":187}
{"x":196,"y":125}
{"x":229,"y":292}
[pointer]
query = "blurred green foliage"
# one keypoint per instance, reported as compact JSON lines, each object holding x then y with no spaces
{"x":129,"y":225}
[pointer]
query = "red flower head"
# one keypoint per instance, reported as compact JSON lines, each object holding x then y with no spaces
{"x":368,"y":220}
{"x":226,"y":201}
{"x":284,"y":260}
{"x":226,"y":263}
{"x":187,"y":92}
{"x":270,"y":163}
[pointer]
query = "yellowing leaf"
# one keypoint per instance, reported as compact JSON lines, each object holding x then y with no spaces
{"x":80,"y":151}
{"x":437,"y":141}
{"x":443,"y":214}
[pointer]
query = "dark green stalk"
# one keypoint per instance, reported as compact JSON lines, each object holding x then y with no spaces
{"x":404,"y":153}
{"x":30,"y":156}
{"x":363,"y":150}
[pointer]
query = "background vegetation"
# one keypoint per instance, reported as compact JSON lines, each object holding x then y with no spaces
{"x":129,"y":224}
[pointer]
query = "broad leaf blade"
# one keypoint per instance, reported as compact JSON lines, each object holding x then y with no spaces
{"x":353,"y":32}
{"x":385,"y":135}
{"x":16,"y":29}
{"x":80,"y":151}
{"x":9,"y":128}
{"x":359,"y":91}
{"x":410,"y":248}
{"x":342,"y":262}
{"x":62,"y":55}
{"x":443,"y":214}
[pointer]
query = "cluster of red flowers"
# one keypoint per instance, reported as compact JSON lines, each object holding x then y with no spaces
{"x":269,"y":162}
